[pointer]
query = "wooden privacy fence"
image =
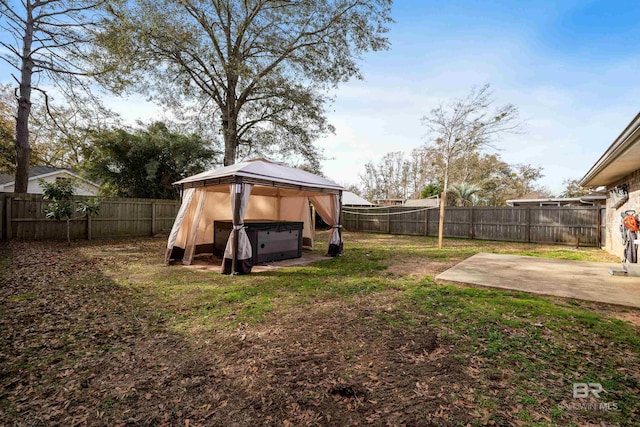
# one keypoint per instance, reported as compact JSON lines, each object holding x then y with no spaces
{"x":23,"y":218}
{"x":547,"y":224}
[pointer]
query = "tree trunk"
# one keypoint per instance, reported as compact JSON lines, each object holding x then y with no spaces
{"x":443,"y":198}
{"x":443,"y":202}
{"x":230,"y":121}
{"x":230,"y":146}
{"x":230,"y":139}
{"x":23,"y":150}
{"x":22,"y":167}
{"x":230,"y":132}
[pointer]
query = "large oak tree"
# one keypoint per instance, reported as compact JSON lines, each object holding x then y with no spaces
{"x":260,"y":68}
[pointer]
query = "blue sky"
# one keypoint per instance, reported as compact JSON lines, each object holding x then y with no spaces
{"x":571,"y":68}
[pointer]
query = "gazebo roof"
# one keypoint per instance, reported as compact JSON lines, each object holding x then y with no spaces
{"x":262,"y":172}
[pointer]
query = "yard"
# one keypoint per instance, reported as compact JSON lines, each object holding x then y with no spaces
{"x":104,"y":334}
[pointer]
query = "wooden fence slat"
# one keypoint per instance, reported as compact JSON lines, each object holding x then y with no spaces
{"x":24,"y":218}
{"x":547,"y":224}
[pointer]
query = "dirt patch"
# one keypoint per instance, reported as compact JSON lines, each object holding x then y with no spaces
{"x":420,"y":267}
{"x":349,"y":391}
{"x":416,"y":342}
{"x":350,"y":366}
{"x":210,"y":263}
{"x":632,"y":317}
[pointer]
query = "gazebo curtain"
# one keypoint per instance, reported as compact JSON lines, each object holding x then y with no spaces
{"x":192,"y":232}
{"x":177,"y":224}
{"x":329,"y":209}
{"x":244,"y":254}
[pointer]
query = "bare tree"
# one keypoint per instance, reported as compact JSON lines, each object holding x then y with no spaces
{"x":260,"y":67}
{"x":572,"y":188}
{"x":61,"y":134}
{"x":397,"y":175}
{"x":46,"y":41}
{"x":466,"y":125}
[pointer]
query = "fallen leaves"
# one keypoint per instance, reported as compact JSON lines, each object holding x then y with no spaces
{"x":81,"y":348}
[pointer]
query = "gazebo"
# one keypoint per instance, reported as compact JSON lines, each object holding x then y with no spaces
{"x":256,"y":190}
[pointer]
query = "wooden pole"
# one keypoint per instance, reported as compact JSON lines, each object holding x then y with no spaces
{"x":441,"y":222}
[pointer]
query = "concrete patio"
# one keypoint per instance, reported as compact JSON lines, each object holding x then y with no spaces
{"x":589,"y":281}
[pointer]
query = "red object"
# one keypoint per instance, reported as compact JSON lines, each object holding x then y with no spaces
{"x":630,"y":222}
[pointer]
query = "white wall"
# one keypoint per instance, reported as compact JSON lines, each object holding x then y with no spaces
{"x":81,"y":188}
{"x":614,"y":243}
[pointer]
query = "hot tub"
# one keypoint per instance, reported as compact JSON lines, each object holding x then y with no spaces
{"x":270,"y":240}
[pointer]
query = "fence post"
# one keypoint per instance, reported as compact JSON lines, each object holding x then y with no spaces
{"x":426,"y":221}
{"x":88,"y":227}
{"x":1,"y":217}
{"x":471,"y":222}
{"x":599,"y":229}
{"x":528,"y":224}
{"x":9,"y":231}
{"x":153,"y":218}
{"x":388,"y":220}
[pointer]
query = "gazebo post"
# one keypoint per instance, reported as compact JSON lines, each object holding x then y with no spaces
{"x":340,"y":219}
{"x":236,"y":221}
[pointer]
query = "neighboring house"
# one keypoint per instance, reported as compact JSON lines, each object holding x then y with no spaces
{"x":389,"y":202}
{"x":618,"y":169}
{"x":430,"y":202}
{"x":83,"y":186}
{"x":415,"y":203}
{"x":598,"y":198}
{"x":352,"y":199}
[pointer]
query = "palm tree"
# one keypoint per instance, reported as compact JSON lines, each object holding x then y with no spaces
{"x":464,"y":194}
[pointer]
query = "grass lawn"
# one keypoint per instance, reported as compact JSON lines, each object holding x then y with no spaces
{"x":104,"y":334}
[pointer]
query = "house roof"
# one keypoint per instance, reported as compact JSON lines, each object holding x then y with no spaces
{"x":264,"y":172}
{"x":33,"y":172}
{"x":42,"y":171}
{"x":587,"y":199}
{"x":421,"y":203}
{"x":5,"y":177}
{"x":352,"y":199}
{"x":619,"y":160}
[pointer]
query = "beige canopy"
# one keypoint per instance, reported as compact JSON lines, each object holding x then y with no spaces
{"x":255,"y":190}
